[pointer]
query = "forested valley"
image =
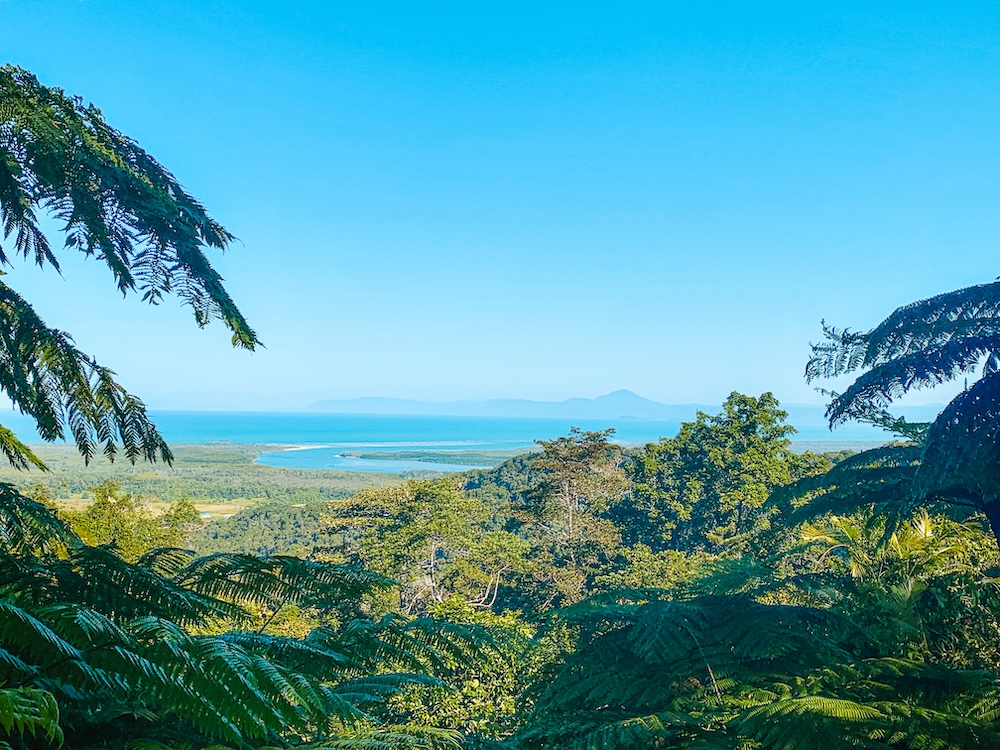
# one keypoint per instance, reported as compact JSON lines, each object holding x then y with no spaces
{"x":714,"y":589}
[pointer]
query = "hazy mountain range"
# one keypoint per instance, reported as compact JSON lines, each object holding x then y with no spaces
{"x":612,"y":406}
{"x":618,"y":405}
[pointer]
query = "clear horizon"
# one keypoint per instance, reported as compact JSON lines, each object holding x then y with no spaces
{"x":454,"y":202}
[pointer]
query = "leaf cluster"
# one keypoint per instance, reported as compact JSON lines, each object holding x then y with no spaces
{"x":730,"y":672}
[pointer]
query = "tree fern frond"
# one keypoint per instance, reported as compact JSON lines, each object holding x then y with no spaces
{"x":402,"y":737}
{"x":32,"y":637}
{"x":881,"y":479}
{"x":965,"y":316}
{"x":28,"y":528}
{"x":962,"y":454}
{"x":375,"y":688}
{"x":166,"y":561}
{"x":48,"y":378}
{"x":19,"y":455}
{"x":806,"y":722}
{"x":115,"y":201}
{"x":109,"y":584}
{"x":308,"y":655}
{"x":276,"y":580}
{"x":28,"y":712}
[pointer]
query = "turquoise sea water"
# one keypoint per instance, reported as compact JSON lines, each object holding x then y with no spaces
{"x":398,"y":431}
{"x":393,"y":432}
{"x":334,"y":434}
{"x":329,"y":435}
{"x":367,"y":430}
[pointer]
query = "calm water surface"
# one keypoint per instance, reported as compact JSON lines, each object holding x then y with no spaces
{"x":328,"y":436}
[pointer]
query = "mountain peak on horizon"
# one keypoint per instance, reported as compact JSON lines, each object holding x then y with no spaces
{"x":622,"y":393}
{"x":613,"y":405}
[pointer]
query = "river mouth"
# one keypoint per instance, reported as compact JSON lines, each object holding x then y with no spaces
{"x":393,"y":459}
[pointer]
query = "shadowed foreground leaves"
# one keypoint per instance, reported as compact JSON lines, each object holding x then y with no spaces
{"x":105,"y":652}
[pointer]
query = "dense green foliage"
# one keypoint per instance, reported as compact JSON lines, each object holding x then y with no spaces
{"x":705,"y":488}
{"x":731,"y":672}
{"x":266,"y":529}
{"x":844,"y":628}
{"x":98,"y":651}
{"x":124,"y":522}
{"x":430,"y":537}
{"x":582,"y":596}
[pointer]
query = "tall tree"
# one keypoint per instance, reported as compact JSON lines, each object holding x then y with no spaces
{"x":60,"y":159}
{"x":581,"y":479}
{"x":705,"y":487}
{"x":430,"y":537}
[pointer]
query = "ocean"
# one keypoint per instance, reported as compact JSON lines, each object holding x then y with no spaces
{"x":326,"y":437}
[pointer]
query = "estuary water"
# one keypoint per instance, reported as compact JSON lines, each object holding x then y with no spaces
{"x":322,"y":440}
{"x":332,"y":457}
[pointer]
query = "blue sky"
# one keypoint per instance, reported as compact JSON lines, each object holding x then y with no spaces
{"x":442,"y":201}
